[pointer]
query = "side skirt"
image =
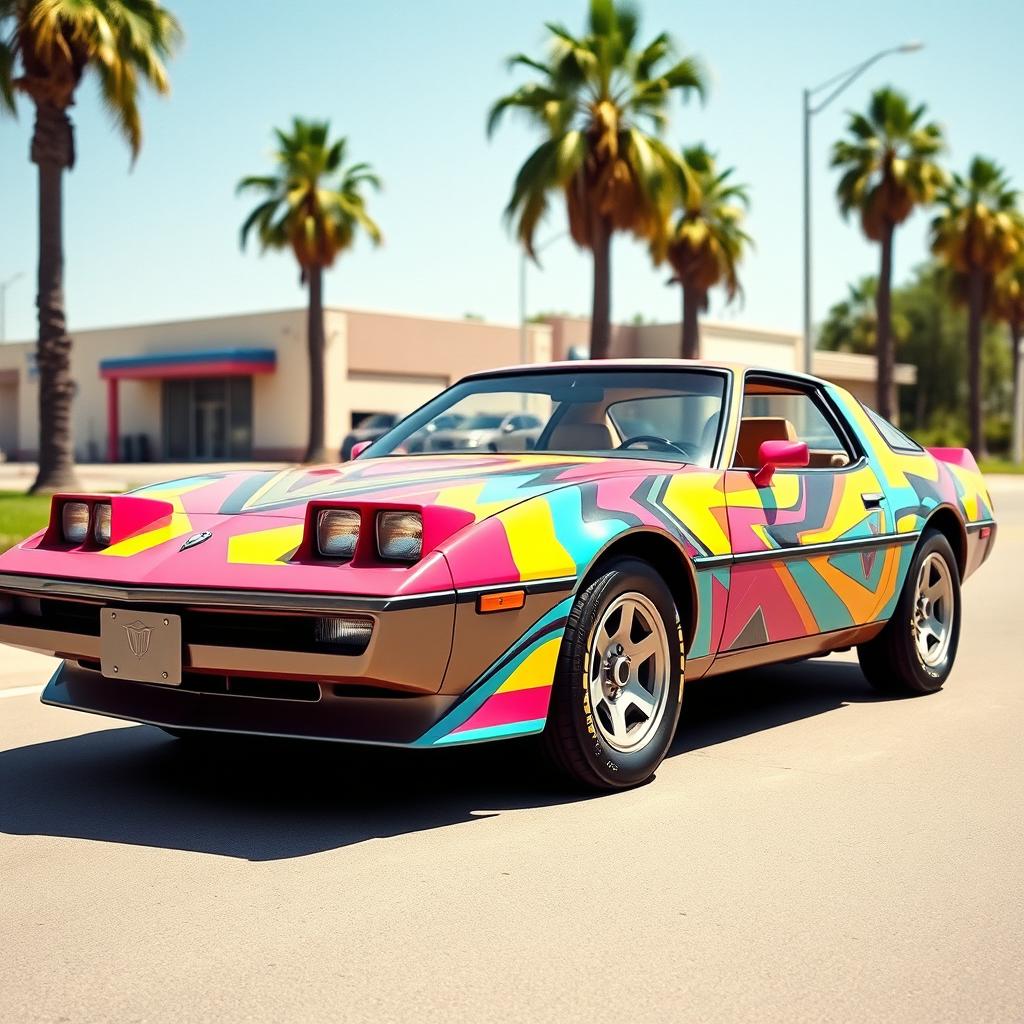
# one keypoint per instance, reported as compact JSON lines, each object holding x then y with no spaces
{"x":799,"y":647}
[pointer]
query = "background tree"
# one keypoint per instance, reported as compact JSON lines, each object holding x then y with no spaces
{"x":928,"y":330}
{"x":887,"y":170}
{"x":602,"y":104}
{"x":704,"y":241}
{"x":852,"y":323}
{"x":977,"y":234}
{"x":314,"y":205}
{"x":46,"y":47}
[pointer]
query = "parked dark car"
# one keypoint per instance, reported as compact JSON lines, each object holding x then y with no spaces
{"x":420,"y":440}
{"x":484,"y":431}
{"x":368,"y":429}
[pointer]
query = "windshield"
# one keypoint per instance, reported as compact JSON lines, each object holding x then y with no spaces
{"x":482,"y":420}
{"x":674,"y":415}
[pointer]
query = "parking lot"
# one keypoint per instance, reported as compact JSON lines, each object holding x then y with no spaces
{"x":807,"y":852}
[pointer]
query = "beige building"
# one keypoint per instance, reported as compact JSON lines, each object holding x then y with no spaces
{"x":234,"y":387}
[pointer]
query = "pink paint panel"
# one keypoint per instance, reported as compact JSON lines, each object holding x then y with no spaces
{"x":513,"y":706}
{"x":130,"y":515}
{"x":482,"y":556}
{"x":758,"y":587}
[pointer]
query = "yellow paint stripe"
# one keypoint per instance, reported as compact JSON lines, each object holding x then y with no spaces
{"x":536,"y":550}
{"x":537,"y":669}
{"x":180,"y":525}
{"x":266,"y":547}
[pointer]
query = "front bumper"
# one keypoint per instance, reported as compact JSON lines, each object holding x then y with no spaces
{"x":236,"y":633}
{"x":399,"y":720}
{"x":412,"y":684}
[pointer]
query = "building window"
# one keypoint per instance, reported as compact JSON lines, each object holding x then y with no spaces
{"x":207,"y":419}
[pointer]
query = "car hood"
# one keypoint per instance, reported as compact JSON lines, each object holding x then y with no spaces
{"x":482,"y":484}
{"x":244,"y":530}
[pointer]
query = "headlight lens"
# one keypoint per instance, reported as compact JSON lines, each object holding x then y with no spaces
{"x":74,"y":522}
{"x":101,"y":524}
{"x":337,"y":531}
{"x":400,"y":535}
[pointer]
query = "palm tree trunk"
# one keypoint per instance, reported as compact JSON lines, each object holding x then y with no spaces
{"x":884,"y":348}
{"x":693,"y":303}
{"x":1016,"y":334}
{"x":975,"y":308}
{"x":52,"y":151}
{"x":601,"y":314}
{"x":316,"y":450}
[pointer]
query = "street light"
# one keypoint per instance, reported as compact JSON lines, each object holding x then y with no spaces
{"x":4,"y":285}
{"x":524,"y":355}
{"x":838,"y":84}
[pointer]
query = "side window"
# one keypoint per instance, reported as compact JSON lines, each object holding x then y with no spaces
{"x":773,"y":412}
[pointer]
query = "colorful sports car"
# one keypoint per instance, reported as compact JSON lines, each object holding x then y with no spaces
{"x":673,"y":520}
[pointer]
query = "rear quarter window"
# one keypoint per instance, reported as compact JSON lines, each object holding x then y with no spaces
{"x":893,"y":436}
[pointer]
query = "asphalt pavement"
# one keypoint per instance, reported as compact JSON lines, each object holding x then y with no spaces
{"x":808,"y":852}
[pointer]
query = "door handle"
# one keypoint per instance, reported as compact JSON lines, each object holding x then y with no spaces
{"x":872,"y":500}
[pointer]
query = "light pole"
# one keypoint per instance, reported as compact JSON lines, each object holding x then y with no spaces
{"x":524,"y":354}
{"x":837,"y":84}
{"x":4,"y":285}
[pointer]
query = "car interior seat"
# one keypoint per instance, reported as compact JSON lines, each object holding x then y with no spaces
{"x":754,"y":431}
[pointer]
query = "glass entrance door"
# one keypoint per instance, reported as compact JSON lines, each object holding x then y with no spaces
{"x":210,"y":405}
{"x":208,"y":419}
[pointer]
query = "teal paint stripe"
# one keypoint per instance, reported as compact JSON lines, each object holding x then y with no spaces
{"x":851,"y":564}
{"x":826,"y":606}
{"x":701,"y":645}
{"x":581,"y":539}
{"x":906,"y":557}
{"x":493,"y":732}
{"x":486,"y":689}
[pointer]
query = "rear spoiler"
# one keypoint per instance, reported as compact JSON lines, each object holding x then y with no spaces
{"x":961,"y":457}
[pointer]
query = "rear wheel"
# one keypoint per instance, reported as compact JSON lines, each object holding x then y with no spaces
{"x":915,"y":652}
{"x":618,"y":684}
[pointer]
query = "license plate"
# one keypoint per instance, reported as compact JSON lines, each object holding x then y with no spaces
{"x":144,"y":647}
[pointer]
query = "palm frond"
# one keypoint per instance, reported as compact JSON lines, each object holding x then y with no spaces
{"x":126,"y":42}
{"x":7,"y":78}
{"x":887,"y":162}
{"x":313,"y":203}
{"x":601,"y":103}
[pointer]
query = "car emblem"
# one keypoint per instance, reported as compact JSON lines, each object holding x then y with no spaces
{"x":196,"y":538}
{"x":138,"y":638}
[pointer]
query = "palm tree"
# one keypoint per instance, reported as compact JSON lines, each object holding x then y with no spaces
{"x":704,"y":243}
{"x":977,"y":234}
{"x":601,"y":104}
{"x":1008,"y":307}
{"x":314,"y":205}
{"x":888,"y":166}
{"x":46,"y":47}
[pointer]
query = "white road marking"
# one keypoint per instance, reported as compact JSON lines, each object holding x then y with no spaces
{"x":21,"y":691}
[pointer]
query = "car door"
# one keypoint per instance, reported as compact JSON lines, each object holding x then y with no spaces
{"x":808,"y":549}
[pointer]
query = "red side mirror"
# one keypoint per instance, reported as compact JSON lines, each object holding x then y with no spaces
{"x":773,"y":455}
{"x":358,"y":448}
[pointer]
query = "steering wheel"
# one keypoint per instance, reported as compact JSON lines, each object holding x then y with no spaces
{"x":666,"y":444}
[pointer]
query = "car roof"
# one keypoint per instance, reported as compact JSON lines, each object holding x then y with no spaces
{"x":587,"y":365}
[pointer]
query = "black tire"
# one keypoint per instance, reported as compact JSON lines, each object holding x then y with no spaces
{"x":892,"y":661}
{"x":572,"y":738}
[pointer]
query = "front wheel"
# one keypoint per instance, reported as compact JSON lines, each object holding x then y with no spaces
{"x":619,"y":681}
{"x":914,"y":653}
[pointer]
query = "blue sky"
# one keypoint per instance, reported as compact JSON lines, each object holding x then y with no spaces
{"x":410,"y":84}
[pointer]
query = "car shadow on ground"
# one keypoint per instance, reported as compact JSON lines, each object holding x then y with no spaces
{"x":270,"y":800}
